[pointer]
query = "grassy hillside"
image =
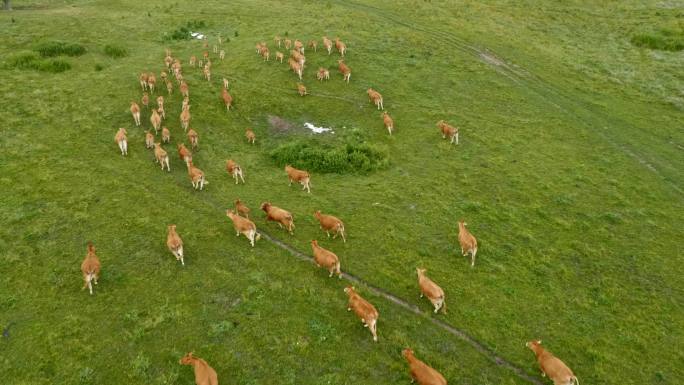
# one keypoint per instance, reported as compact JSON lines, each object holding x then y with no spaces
{"x":568,"y":173}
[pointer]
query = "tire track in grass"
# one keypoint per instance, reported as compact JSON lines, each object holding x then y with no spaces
{"x":546,"y":92}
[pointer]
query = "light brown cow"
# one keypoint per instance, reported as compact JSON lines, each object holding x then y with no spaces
{"x":265,"y":53}
{"x":344,"y":70}
{"x":160,"y":106}
{"x":277,"y":40}
{"x":155,"y":120}
{"x":169,"y":87}
{"x":184,"y":89}
{"x":467,"y":241}
{"x":448,"y":131}
{"x":301,"y":89}
{"x":323,"y":74}
{"x":185,"y":117}
{"x":244,"y":226}
{"x":388,"y":121}
{"x":175,"y":243}
{"x":193,"y":61}
{"x":222,"y":54}
{"x":330,"y":223}
{"x":241,"y":208}
{"x":364,"y":310}
{"x":186,"y":102}
{"x":196,"y":176}
{"x":298,"y":57}
{"x":143,"y":80}
{"x":166,"y":135}
{"x":204,"y":374}
{"x":164,"y":76}
{"x":301,"y":176}
{"x":431,"y":290}
{"x":90,"y":267}
{"x":299,"y":46}
{"x":327,"y":43}
{"x":276,"y":214}
{"x":234,"y":170}
{"x":551,"y":366}
{"x":341,"y":47}
{"x":149,"y":140}
{"x":288,"y":43}
{"x":421,"y":372}
{"x":258,"y":48}
{"x":193,"y":137}
{"x":161,"y":156}
{"x":207,"y":72}
{"x":376,"y":98}
{"x":145,"y":100}
{"x":135,"y":111}
{"x":280,"y":56}
{"x":326,"y":259}
{"x":227,"y":98}
{"x":225,"y":83}
{"x":313,"y":44}
{"x":122,"y":141}
{"x":184,"y":153}
{"x":251,"y":137}
{"x":151,"y":81}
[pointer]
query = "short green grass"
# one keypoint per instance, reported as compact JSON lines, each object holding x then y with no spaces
{"x":568,"y":172}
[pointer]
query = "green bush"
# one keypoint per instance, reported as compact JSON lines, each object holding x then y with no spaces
{"x":183,"y":32}
{"x":664,"y":39}
{"x":59,"y":48}
{"x":115,"y":51}
{"x":350,"y":158}
{"x":30,"y":61}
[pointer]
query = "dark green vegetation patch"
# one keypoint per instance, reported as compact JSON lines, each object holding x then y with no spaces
{"x":183,"y":32}
{"x":663,"y":39}
{"x":115,"y":51}
{"x":350,"y":158}
{"x":31,"y":61}
{"x":60,"y":48}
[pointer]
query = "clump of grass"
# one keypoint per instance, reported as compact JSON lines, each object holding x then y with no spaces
{"x":99,"y":67}
{"x":31,"y":61}
{"x":663,"y":39}
{"x":60,"y":48}
{"x":115,"y":51}
{"x":350,"y":158}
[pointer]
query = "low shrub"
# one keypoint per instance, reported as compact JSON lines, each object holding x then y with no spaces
{"x":663,"y":39}
{"x":59,"y":48}
{"x":183,"y":32}
{"x":31,"y":61}
{"x":115,"y":51}
{"x":346,"y":159}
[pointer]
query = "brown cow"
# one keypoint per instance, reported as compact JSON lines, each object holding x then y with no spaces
{"x":301,"y":89}
{"x":330,"y":223}
{"x":135,"y":111}
{"x":327,"y":43}
{"x":120,"y":139}
{"x":161,"y":156}
{"x":431,"y":290}
{"x":301,"y":176}
{"x":344,"y":70}
{"x":204,"y":374}
{"x":227,"y":98}
{"x":90,"y":267}
{"x":193,"y":137}
{"x":313,"y":44}
{"x":185,"y":117}
{"x":145,"y":100}
{"x":341,"y":47}
{"x":467,"y":241}
{"x":421,"y":372}
{"x":251,"y":137}
{"x":196,"y":176}
{"x":160,"y":106}
{"x":376,"y":98}
{"x":235,"y":170}
{"x":448,"y":131}
{"x":169,"y":87}
{"x":149,"y":140}
{"x":364,"y":310}
{"x":244,"y":226}
{"x":323,"y":74}
{"x":143,"y":81}
{"x":175,"y":243}
{"x":166,"y":135}
{"x":184,"y":153}
{"x":551,"y":366}
{"x":326,"y":259}
{"x":276,"y":214}
{"x":155,"y":120}
{"x":151,"y":81}
{"x":280,"y":56}
{"x":388,"y":121}
{"x":241,"y":208}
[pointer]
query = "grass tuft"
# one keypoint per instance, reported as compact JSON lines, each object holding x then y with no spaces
{"x":30,"y":61}
{"x":115,"y":51}
{"x":60,"y":48}
{"x":663,"y":39}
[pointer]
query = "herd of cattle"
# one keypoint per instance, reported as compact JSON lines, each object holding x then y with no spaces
{"x":366,"y":312}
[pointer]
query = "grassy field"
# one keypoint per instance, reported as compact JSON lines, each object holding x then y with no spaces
{"x":569,"y":173}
